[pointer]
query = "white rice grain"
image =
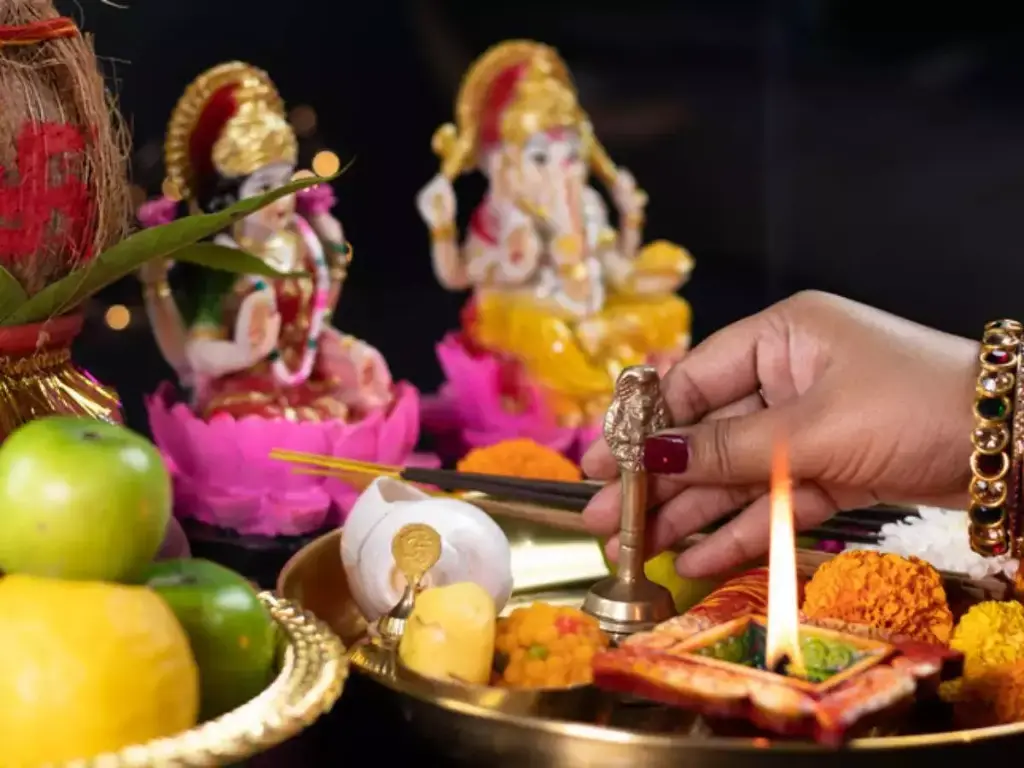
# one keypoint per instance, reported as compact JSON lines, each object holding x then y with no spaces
{"x":939,"y":536}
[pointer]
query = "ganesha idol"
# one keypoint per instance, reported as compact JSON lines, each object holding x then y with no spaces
{"x":562,"y":300}
{"x":263,"y":365}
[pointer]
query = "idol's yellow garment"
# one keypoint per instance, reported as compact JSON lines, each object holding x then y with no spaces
{"x":578,"y":360}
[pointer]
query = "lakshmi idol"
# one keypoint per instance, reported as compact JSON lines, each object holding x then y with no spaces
{"x":265,"y":367}
{"x":563,"y":299}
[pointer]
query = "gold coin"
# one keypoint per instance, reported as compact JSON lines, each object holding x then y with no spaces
{"x":416,"y":548}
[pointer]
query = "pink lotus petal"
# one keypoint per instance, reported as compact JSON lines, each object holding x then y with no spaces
{"x":423,"y":461}
{"x":223,"y":475}
{"x":468,"y":411}
{"x":400,"y":432}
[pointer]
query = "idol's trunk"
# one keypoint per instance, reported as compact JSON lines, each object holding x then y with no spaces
{"x":37,"y":377}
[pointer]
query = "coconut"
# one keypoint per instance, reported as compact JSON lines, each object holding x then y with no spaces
{"x":64,"y":194}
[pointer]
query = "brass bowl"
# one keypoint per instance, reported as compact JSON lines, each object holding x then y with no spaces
{"x":310,"y":681}
{"x":469,"y":727}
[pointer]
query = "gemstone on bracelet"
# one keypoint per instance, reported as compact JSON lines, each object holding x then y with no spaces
{"x":998,"y":356}
{"x":999,"y":337}
{"x":990,"y":439}
{"x":996,"y":382}
{"x":992,"y":408}
{"x":1003,"y":325}
{"x":988,"y":492}
{"x":986,"y":516}
{"x":990,"y":465}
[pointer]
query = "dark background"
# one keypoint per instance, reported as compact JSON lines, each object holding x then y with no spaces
{"x":874,"y":149}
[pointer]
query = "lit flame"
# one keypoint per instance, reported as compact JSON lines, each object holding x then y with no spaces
{"x":783,"y":640}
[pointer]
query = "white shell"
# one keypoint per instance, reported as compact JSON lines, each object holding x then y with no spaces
{"x":473,"y":547}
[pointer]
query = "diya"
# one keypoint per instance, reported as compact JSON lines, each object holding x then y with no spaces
{"x":563,"y":296}
{"x":782,"y":676}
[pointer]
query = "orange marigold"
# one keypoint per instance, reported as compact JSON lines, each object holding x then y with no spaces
{"x":995,"y":697}
{"x":902,"y":595}
{"x":521,"y":457}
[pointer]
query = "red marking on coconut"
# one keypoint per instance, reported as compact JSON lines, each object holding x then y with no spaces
{"x":45,"y":202}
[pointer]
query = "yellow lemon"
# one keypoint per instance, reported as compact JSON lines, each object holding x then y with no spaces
{"x":89,"y":667}
{"x":686,"y":593}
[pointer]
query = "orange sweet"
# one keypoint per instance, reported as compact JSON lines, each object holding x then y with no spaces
{"x":544,"y":646}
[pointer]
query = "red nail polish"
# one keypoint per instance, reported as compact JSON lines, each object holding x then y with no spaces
{"x":667,"y":454}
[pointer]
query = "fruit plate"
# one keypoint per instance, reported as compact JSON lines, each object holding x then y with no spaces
{"x":436,"y":727}
{"x":310,"y":680}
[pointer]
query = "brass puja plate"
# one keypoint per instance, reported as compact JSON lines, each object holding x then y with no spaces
{"x":480,"y":726}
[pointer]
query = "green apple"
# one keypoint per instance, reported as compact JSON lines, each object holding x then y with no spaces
{"x":233,"y":637}
{"x":81,"y":499}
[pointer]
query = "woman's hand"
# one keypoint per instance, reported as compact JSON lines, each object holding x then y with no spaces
{"x":870,"y":407}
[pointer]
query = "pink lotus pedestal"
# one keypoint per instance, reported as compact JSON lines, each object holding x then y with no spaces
{"x":470,"y":410}
{"x":223,"y":476}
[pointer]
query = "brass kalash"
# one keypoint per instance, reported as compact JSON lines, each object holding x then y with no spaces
{"x":588,"y":727}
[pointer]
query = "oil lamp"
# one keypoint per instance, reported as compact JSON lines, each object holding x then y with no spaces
{"x":776,"y":673}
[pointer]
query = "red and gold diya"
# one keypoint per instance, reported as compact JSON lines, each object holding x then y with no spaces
{"x":781,"y":675}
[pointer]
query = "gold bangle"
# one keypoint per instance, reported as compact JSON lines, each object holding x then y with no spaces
{"x":444,"y":233}
{"x":635,"y":219}
{"x":994,"y":491}
{"x":159,"y":288}
{"x":338,"y":270}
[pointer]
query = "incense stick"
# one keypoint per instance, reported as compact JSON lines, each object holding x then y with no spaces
{"x":512,"y":488}
{"x":547,"y":502}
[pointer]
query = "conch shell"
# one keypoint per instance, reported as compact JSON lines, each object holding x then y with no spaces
{"x":473,"y":547}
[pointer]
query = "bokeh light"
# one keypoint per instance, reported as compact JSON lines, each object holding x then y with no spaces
{"x":326,"y":163}
{"x":117,"y":317}
{"x":303,"y":120}
{"x":138,"y":196}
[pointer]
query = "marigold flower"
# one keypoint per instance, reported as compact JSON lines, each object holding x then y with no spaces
{"x":991,"y":638}
{"x":901,"y":595}
{"x":990,"y":634}
{"x":994,"y":696}
{"x":520,"y":457}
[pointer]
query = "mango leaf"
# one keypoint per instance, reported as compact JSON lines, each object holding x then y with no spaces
{"x":131,"y":253}
{"x":12,"y":295}
{"x":232,"y":260}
